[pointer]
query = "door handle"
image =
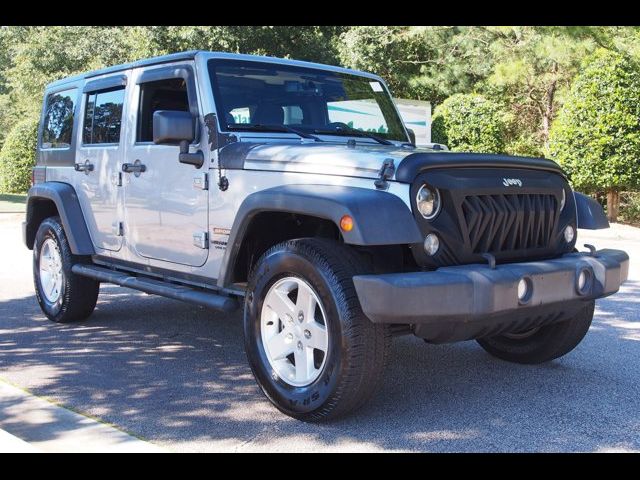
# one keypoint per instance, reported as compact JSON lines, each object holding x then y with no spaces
{"x":85,"y":167}
{"x":136,"y":168}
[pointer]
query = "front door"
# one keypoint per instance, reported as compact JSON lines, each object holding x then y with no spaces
{"x":166,"y":208}
{"x":98,"y":160}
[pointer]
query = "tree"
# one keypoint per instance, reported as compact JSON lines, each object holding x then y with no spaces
{"x":424,"y":63}
{"x":384,"y":50}
{"x":532,"y":68}
{"x":596,"y":136}
{"x":469,"y":122}
{"x":301,"y":42}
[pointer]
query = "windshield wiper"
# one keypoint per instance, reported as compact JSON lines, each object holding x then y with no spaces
{"x":259,"y":127}
{"x":353,"y":132}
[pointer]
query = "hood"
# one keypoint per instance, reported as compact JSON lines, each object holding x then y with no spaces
{"x":362,"y":160}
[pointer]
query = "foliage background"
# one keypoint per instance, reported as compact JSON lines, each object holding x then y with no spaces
{"x":524,"y":74}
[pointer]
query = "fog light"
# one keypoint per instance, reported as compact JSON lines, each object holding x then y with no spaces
{"x":583,"y":283}
{"x":431,"y":244}
{"x":525,"y":288}
{"x":569,"y":234}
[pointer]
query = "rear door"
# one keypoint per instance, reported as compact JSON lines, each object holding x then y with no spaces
{"x":166,"y":205}
{"x":99,"y":157}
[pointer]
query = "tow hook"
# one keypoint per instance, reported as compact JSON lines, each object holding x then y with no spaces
{"x":491,"y":260}
{"x":592,"y":250}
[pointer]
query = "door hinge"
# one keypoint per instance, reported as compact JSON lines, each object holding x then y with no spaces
{"x":118,"y":229}
{"x":201,"y":240}
{"x":116,"y":179}
{"x":201,"y":181}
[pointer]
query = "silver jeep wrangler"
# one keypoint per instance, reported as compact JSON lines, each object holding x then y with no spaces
{"x":294,"y":190}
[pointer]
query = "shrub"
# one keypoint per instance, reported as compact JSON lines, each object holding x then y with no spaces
{"x":17,"y":157}
{"x":469,"y":122}
{"x":596,"y":136}
{"x":630,"y":207}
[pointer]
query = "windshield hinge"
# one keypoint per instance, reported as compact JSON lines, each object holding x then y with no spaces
{"x":216,"y":139}
{"x":386,"y":172}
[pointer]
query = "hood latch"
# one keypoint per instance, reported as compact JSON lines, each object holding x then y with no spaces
{"x":386,"y":172}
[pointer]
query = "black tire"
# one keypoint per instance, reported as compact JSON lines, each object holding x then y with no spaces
{"x":544,"y":344}
{"x":357,"y":352}
{"x":78,"y":295}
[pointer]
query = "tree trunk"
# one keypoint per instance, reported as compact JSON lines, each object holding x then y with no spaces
{"x":546,"y":126}
{"x":548,"y":109}
{"x":613,"y":205}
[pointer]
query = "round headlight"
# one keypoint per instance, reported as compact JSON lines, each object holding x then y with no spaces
{"x":428,"y":202}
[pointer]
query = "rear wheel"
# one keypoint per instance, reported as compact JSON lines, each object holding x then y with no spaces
{"x":313,"y":352}
{"x":541,"y":344}
{"x":63,"y":296}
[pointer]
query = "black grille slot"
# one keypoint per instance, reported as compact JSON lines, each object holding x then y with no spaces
{"x":501,"y":223}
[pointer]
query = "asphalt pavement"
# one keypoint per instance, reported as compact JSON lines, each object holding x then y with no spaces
{"x":176,"y":375}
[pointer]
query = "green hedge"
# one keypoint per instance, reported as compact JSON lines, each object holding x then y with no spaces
{"x":469,"y":122}
{"x":596,"y":136}
{"x":17,"y":157}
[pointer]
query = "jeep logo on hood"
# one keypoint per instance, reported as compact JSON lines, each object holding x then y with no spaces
{"x":512,"y":182}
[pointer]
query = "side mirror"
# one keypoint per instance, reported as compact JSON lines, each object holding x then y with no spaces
{"x":412,"y":136}
{"x":173,"y":126}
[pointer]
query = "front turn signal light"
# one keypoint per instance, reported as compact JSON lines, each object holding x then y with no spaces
{"x":346,"y":223}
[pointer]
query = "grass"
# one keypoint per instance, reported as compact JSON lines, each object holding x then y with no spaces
{"x":12,"y":203}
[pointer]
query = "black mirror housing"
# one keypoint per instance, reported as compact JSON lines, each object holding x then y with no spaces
{"x":172,"y":127}
{"x":412,"y":135}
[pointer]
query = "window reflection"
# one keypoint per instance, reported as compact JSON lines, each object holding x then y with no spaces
{"x":58,"y":120}
{"x":103,"y":117}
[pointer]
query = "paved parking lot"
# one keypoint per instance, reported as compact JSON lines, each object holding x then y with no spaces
{"x":176,"y":375}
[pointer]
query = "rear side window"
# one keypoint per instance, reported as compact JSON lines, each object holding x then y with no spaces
{"x":103,"y":116}
{"x":58,"y":120}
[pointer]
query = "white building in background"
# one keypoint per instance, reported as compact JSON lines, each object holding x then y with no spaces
{"x":416,"y":115}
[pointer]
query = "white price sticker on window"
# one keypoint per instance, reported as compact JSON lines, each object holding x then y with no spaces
{"x":375,"y":86}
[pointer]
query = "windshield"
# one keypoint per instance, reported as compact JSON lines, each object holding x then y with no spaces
{"x":261,"y":96}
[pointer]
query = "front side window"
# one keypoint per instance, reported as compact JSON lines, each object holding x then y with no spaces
{"x":170,"y":94}
{"x":263,"y":96}
{"x":58,"y":120}
{"x":103,"y":117}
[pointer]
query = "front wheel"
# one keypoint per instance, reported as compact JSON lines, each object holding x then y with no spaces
{"x":313,"y":352}
{"x":541,"y":344}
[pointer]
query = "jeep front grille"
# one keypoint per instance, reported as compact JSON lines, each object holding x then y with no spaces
{"x":498,"y":223}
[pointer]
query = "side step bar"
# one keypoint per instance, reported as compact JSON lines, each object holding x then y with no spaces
{"x":158,"y":287}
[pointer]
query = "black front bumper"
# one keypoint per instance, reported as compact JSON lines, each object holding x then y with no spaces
{"x":470,"y":301}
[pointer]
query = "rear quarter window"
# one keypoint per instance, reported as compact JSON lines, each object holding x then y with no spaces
{"x":58,"y":119}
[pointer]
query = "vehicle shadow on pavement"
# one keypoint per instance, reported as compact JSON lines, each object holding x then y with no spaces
{"x":176,"y":374}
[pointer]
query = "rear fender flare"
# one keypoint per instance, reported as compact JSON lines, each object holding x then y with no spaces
{"x":66,"y":201}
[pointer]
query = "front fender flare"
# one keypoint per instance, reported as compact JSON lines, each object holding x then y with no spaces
{"x":590,"y":213}
{"x":66,"y":201}
{"x":380,"y":218}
